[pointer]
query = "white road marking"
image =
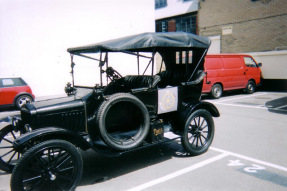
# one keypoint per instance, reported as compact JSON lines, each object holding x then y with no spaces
{"x":250,"y":159}
{"x":178,"y":173}
{"x":248,"y":106}
{"x":204,"y":163}
{"x":253,"y":95}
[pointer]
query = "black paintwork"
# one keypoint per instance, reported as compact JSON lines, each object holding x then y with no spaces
{"x":71,"y":117}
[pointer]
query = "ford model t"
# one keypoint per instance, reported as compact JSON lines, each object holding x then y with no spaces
{"x":119,"y":114}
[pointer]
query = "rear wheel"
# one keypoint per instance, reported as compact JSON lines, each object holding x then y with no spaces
{"x":8,"y":156}
{"x":198,"y":132}
{"x":123,"y":121}
{"x":216,"y":91}
{"x":50,"y":165}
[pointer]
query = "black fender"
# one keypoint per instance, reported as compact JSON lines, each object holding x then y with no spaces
{"x":48,"y":133}
{"x":15,"y":121}
{"x":182,"y":115}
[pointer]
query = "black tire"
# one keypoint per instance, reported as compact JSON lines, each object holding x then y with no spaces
{"x":8,"y":156}
{"x":50,"y":165}
{"x":22,"y":100}
{"x":122,"y":121}
{"x":198,"y":132}
{"x":250,"y":87}
{"x":216,"y":91}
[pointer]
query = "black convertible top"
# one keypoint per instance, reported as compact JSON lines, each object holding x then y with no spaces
{"x":146,"y":42}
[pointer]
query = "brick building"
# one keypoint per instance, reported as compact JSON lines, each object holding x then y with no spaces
{"x":245,"y":25}
{"x":255,"y":27}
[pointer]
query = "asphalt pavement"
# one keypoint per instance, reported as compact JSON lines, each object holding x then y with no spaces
{"x":248,"y":153}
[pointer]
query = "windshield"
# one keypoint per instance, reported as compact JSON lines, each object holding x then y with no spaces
{"x":87,"y":71}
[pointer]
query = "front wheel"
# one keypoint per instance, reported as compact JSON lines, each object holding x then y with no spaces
{"x":23,"y":100}
{"x":250,"y":87}
{"x":198,"y":132}
{"x":50,"y":165}
{"x":9,"y":156}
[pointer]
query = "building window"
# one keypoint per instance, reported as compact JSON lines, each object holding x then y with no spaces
{"x":161,"y":26}
{"x":160,"y":3}
{"x":186,"y":24}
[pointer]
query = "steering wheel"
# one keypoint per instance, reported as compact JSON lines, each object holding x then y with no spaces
{"x":113,"y":74}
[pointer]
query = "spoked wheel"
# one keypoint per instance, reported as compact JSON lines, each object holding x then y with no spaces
{"x":8,"y":156}
{"x":50,"y":165}
{"x":198,"y":132}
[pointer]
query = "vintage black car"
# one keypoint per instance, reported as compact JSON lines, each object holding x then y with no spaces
{"x":120,"y":114}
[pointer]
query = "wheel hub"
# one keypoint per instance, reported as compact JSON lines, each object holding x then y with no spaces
{"x":52,"y":176}
{"x":49,"y":174}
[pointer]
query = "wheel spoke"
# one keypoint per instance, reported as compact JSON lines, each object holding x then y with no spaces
{"x":58,"y":156}
{"x":35,"y":185}
{"x":68,"y":168}
{"x":18,"y":156}
{"x":12,"y":157}
{"x":40,"y":161}
{"x":193,"y":140}
{"x":192,"y":136}
{"x":13,"y":134}
{"x":7,"y":147}
{"x":204,"y":137}
{"x":194,"y":122}
{"x":32,"y":179}
{"x":200,"y":141}
{"x":7,"y":140}
{"x":204,"y":127}
{"x":7,"y":153}
{"x":63,"y":161}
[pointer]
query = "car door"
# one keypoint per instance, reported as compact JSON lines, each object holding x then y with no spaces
{"x":7,"y":92}
{"x":252,"y":71}
{"x":233,"y":73}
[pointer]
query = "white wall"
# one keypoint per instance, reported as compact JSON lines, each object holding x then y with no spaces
{"x":176,"y":7}
{"x":274,"y":63}
{"x":35,"y":34}
{"x":215,"y":47}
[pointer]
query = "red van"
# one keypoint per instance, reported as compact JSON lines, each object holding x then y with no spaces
{"x":230,"y":72}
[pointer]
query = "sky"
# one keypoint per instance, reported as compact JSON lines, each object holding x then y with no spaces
{"x":35,"y":35}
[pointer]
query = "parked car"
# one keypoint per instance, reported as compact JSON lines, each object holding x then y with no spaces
{"x":15,"y":92}
{"x":230,"y":72}
{"x":119,"y":114}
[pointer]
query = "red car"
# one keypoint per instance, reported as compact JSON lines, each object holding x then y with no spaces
{"x":15,"y":92}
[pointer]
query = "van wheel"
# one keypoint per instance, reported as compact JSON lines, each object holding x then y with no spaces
{"x":216,"y":91}
{"x":250,"y":87}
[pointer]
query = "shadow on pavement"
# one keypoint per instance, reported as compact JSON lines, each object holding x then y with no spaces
{"x":277,"y":105}
{"x":99,"y":168}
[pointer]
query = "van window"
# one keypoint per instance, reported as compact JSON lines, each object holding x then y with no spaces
{"x":249,"y":62}
{"x":213,"y":63}
{"x":232,"y":63}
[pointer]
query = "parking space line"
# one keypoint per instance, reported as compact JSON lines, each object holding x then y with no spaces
{"x":250,"y":159}
{"x":220,"y":101}
{"x":248,"y":106}
{"x":180,"y":172}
